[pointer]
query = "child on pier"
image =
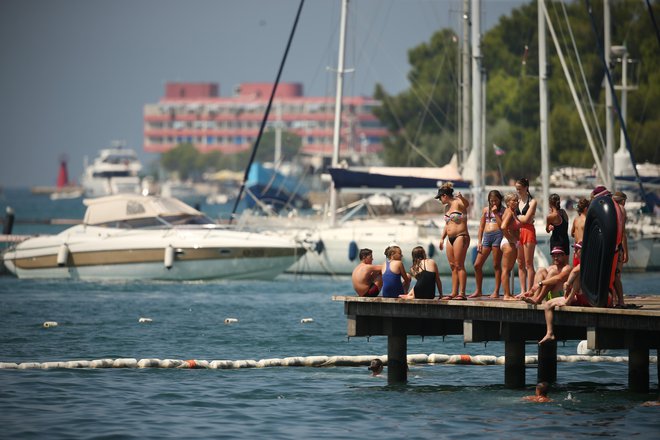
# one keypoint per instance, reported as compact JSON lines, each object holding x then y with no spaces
{"x":489,"y":240}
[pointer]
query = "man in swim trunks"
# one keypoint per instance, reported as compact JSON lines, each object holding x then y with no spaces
{"x":367,"y":277}
{"x":549,"y":280}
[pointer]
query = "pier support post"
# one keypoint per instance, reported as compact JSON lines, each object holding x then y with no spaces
{"x":397,"y":359}
{"x":514,"y":364}
{"x":638,"y":362}
{"x":547,"y":362}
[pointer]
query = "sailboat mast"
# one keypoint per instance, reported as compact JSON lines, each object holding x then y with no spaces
{"x":609,"y":105}
{"x":477,"y":141}
{"x":543,"y":107}
{"x":336,"y":138}
{"x":465,"y":148}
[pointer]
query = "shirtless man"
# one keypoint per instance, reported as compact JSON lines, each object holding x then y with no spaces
{"x":541,"y":394}
{"x":573,"y":296}
{"x":577,"y":229}
{"x":367,"y":278}
{"x":549,"y":280}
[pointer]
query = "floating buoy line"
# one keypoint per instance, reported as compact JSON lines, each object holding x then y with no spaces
{"x":298,"y":361}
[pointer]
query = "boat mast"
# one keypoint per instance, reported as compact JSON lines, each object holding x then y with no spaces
{"x":338,"y":99}
{"x":466,"y":86}
{"x":543,"y":107}
{"x":609,"y":105}
{"x":477,"y":141}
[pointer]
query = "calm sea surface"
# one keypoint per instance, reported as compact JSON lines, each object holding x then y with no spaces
{"x":100,"y":320}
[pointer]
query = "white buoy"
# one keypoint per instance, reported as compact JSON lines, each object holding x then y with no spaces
{"x":306,"y":320}
{"x":231,"y":320}
{"x":169,"y":257}
{"x":49,"y":324}
{"x":145,"y":320}
{"x":62,"y":255}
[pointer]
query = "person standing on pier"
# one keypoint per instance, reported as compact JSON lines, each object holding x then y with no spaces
{"x":577,"y":229}
{"x":458,"y":238}
{"x":393,"y":272}
{"x":510,"y":229}
{"x":489,"y":240}
{"x":622,"y":249}
{"x":367,"y":279}
{"x":557,"y":225}
{"x":525,"y":212}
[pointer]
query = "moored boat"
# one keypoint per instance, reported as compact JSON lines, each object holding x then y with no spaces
{"x":126,"y":237}
{"x":114,"y":171}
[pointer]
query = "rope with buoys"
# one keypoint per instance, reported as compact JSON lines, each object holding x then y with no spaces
{"x":300,"y":361}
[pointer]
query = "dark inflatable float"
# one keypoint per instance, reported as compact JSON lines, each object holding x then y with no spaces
{"x":601,"y":238}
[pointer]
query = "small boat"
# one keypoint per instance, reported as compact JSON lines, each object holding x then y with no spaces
{"x":114,"y":171}
{"x":124,"y":237}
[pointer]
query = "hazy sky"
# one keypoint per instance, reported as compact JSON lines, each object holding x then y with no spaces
{"x":76,"y":74}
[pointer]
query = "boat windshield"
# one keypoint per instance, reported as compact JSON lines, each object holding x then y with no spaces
{"x":159,"y":222}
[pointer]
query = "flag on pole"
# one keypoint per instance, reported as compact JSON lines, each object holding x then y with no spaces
{"x":498,"y":150}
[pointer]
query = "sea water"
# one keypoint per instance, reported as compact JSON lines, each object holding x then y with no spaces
{"x":99,"y":320}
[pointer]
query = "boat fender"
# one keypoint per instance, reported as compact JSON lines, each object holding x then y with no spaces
{"x":431,"y":250}
{"x":169,"y":257}
{"x":62,"y":255}
{"x":599,"y":248}
{"x":319,"y":246}
{"x":352,"y":250}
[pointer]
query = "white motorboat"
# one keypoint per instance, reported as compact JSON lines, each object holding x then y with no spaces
{"x":126,"y":237}
{"x":114,"y":171}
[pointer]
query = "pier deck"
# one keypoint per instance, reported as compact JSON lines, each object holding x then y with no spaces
{"x":515,"y":323}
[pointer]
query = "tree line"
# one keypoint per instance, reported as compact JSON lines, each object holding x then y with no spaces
{"x":424,"y":119}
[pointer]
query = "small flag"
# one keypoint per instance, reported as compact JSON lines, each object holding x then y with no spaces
{"x":498,"y":151}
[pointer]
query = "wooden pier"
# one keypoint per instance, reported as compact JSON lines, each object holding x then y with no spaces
{"x":515,"y":323}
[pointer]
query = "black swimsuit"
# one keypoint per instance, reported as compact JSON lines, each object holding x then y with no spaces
{"x":559,"y":235}
{"x":425,"y":285}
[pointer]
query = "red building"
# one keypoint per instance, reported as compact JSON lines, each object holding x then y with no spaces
{"x":196,"y":113}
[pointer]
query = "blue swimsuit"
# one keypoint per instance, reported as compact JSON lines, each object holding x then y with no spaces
{"x":392,"y":285}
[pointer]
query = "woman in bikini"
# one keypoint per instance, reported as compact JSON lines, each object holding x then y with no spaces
{"x":489,"y":239}
{"x":525,"y":212}
{"x":557,"y":226}
{"x":392,"y":272}
{"x":510,"y":227}
{"x":458,"y":238}
{"x":425,"y":271}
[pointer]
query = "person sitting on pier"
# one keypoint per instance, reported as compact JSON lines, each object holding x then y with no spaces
{"x":425,"y":271}
{"x":573,"y":296}
{"x":541,"y":394}
{"x":367,"y":279}
{"x":548,"y":281}
{"x":392,"y":272}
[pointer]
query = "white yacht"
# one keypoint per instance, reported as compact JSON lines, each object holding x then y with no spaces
{"x":114,"y":171}
{"x":130,"y":237}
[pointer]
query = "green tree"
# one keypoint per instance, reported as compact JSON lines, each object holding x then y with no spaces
{"x":423,"y":118}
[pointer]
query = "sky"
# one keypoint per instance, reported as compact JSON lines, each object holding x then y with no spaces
{"x":76,"y":74}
